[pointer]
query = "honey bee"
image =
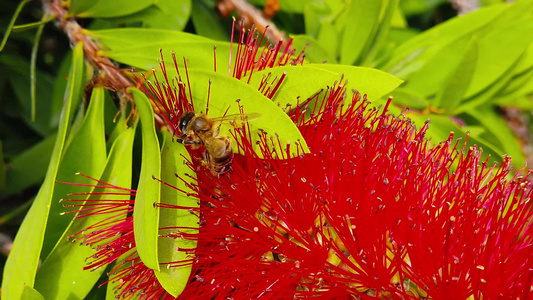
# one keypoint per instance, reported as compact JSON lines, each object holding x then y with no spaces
{"x":199,"y":129}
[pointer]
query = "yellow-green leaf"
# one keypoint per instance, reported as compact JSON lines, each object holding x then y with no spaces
{"x":146,"y":213}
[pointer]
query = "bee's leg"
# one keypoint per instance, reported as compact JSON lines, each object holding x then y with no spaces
{"x":188,"y":142}
{"x":207,"y":158}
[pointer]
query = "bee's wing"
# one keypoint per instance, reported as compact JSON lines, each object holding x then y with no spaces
{"x":237,"y":119}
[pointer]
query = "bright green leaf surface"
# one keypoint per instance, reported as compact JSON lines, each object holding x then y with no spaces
{"x":226,"y":90}
{"x":498,"y":133}
{"x":61,"y":275}
{"x":328,"y":38}
{"x":453,"y":91}
{"x":398,"y":19}
{"x":173,"y":156}
{"x":526,"y":63}
{"x":124,"y":38}
{"x":86,"y":153}
{"x":521,"y":102}
{"x":414,"y":7}
{"x":31,"y":294}
{"x":426,"y":80}
{"x":320,"y":13}
{"x":170,"y":14}
{"x":409,"y":99}
{"x":440,"y":128}
{"x":305,"y":81}
{"x":359,"y":29}
{"x":78,"y":6}
{"x":498,"y":51}
{"x":382,"y":30}
{"x":521,"y":85}
{"x":374,"y":83}
{"x":487,"y":94}
{"x":411,"y":55}
{"x":21,"y":265}
{"x":123,"y":47}
{"x":106,"y":9}
{"x":292,"y":6}
{"x":146,"y":214}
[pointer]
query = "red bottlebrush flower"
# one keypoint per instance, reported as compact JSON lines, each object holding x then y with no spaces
{"x":373,"y":211}
{"x":113,"y":237}
{"x":113,"y":240}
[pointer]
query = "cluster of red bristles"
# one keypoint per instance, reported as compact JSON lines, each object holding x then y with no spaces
{"x":373,"y":211}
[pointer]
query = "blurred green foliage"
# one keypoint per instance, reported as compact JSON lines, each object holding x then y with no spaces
{"x":457,"y":71}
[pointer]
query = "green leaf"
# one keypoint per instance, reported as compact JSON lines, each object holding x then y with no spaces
{"x":86,"y":154}
{"x":33,"y":64}
{"x":177,"y":220}
{"x":170,"y":14}
{"x":371,"y":82}
{"x":412,"y":55}
{"x":77,"y":6}
{"x":319,"y":13}
{"x":378,"y":39}
{"x":59,"y":86}
{"x":359,"y":30}
{"x":123,"y":47}
{"x":31,"y":294}
{"x":292,"y":6}
{"x":416,"y":7}
{"x":107,"y":9}
{"x":21,"y":265}
{"x":435,"y":70}
{"x":498,"y":50}
{"x":487,"y":95}
{"x":226,"y":90}
{"x":145,"y":213}
{"x":29,"y":168}
{"x":33,"y":25}
{"x":304,"y":81}
{"x":526,"y":63}
{"x":398,"y":19}
{"x":163,"y":14}
{"x":19,"y":78}
{"x":521,"y":102}
{"x":12,"y":23}
{"x":498,"y":133}
{"x":328,"y":37}
{"x":521,"y":85}
{"x":409,"y":99}
{"x":440,"y":128}
{"x":61,"y":275}
{"x":455,"y":87}
{"x":207,"y":23}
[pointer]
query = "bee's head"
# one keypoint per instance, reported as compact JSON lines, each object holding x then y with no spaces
{"x":185,"y":120}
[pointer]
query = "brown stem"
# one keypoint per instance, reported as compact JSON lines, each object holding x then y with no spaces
{"x":113,"y":77}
